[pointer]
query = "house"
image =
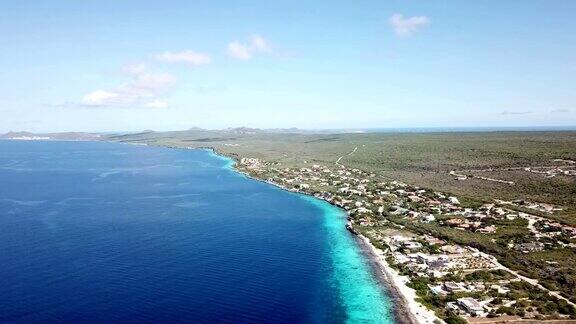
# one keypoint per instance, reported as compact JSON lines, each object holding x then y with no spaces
{"x":454,"y":200}
{"x":454,"y":221}
{"x":432,"y":240}
{"x":437,"y":290}
{"x":471,"y":306}
{"x":363,"y":210}
{"x":397,"y":210}
{"x":400,"y":258}
{"x":413,"y":214}
{"x":500,"y":289}
{"x":530,"y":247}
{"x":452,"y":249}
{"x":499,"y":211}
{"x":415,"y":198}
{"x":487,"y":230}
{"x":453,"y":307}
{"x":454,"y":286}
{"x":429,"y":218}
{"x":439,"y":264}
{"x":417,"y":268}
{"x":511,"y":216}
{"x":424,"y":258}
{"x":412,"y":245}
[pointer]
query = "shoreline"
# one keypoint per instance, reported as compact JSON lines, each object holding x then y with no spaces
{"x":405,"y":308}
{"x":400,"y":308}
{"x":411,"y":311}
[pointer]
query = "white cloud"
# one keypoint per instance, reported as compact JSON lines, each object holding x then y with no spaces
{"x":407,"y":26}
{"x":187,"y":56}
{"x":134,"y":69}
{"x":143,"y":88}
{"x":239,"y":51}
{"x":99,"y":98}
{"x":245,"y":51}
{"x":260,"y":44}
{"x":156,"y":104}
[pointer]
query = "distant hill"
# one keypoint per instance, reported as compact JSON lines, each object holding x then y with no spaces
{"x":195,"y":133}
{"x":70,"y":136}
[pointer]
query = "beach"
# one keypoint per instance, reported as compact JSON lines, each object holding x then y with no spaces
{"x":409,"y":310}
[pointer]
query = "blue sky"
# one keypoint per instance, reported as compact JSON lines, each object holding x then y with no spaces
{"x":111,"y":65}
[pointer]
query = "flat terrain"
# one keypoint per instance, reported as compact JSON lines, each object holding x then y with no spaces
{"x":419,"y":159}
{"x":516,"y":195}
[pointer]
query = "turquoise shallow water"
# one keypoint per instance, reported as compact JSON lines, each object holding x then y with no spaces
{"x":363,"y":299}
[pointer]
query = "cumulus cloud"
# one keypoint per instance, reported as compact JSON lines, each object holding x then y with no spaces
{"x":187,"y":56}
{"x":407,"y":26}
{"x":246,"y":50}
{"x":143,"y":89}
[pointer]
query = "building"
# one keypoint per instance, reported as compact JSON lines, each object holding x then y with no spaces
{"x":454,"y":287}
{"x":429,"y":218}
{"x":412,"y":245}
{"x":471,"y":306}
{"x":437,"y":290}
{"x":487,"y":230}
{"x":454,"y":200}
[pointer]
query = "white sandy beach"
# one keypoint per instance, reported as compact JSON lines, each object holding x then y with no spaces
{"x":419,"y":313}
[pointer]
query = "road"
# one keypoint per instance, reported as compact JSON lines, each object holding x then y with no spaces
{"x":533,"y":282}
{"x":340,"y":158}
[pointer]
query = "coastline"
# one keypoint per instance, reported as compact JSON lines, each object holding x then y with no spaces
{"x":405,"y":307}
{"x":400,"y":306}
{"x":410,"y":311}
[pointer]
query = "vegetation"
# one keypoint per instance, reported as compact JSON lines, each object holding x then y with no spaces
{"x":425,"y":160}
{"x":421,"y":159}
{"x":488,"y":276}
{"x":435,"y":302}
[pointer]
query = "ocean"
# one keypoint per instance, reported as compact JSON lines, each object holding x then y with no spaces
{"x":98,"y":232}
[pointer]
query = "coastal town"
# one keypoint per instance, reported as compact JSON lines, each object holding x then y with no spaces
{"x":288,"y":162}
{"x":414,"y":232}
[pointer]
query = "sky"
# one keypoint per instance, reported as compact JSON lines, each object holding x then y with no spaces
{"x":110,"y":65}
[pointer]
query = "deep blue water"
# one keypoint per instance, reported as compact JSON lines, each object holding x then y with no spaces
{"x":103,"y":232}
